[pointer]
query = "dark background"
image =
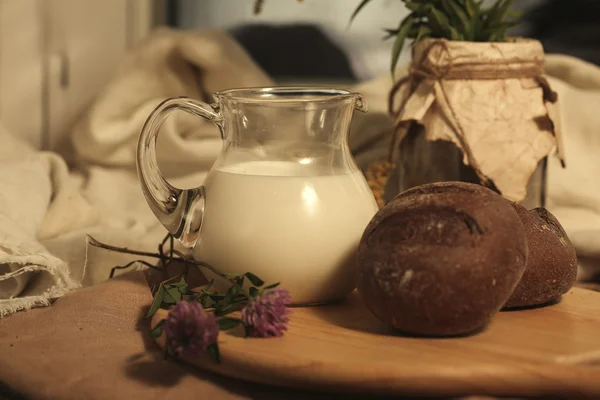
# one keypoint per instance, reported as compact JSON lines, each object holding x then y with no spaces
{"x":305,"y":51}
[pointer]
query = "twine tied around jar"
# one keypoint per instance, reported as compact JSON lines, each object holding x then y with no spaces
{"x":379,"y":172}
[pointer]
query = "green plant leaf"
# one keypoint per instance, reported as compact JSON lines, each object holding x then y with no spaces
{"x":227,"y":323}
{"x":470,"y":7}
{"x":455,"y":35}
{"x":439,"y":22}
{"x":502,"y":27}
{"x":460,"y":21}
{"x":476,"y":26}
{"x":240,"y":280}
{"x":256,"y":281}
{"x":362,"y":4}
{"x":272,"y":286}
{"x":515,"y":14}
{"x":254,"y":292}
{"x":399,"y":44}
{"x":497,"y":33}
{"x":415,"y":5}
{"x":157,"y":331}
{"x":413,"y":32}
{"x":183,"y":288}
{"x":497,"y":37}
{"x":156,"y":301}
{"x":213,"y":353}
{"x":423,"y":32}
{"x":452,"y":19}
{"x":172,"y":294}
{"x":231,"y":307}
{"x":474,"y":21}
{"x":206,"y":302}
{"x":204,"y":290}
{"x":494,"y":16}
{"x":233,"y":291}
{"x":390,"y":33}
{"x":503,"y":10}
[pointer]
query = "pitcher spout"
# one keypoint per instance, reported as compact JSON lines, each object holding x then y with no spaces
{"x":360,"y":104}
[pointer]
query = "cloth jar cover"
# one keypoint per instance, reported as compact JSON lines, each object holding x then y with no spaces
{"x":489,"y":99}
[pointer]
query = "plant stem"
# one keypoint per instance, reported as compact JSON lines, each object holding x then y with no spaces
{"x":163,"y":258}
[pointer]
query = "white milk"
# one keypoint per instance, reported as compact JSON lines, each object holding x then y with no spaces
{"x":274,"y":219}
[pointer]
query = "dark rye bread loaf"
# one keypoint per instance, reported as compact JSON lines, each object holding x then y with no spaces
{"x":441,"y":259}
{"x":552,"y":263}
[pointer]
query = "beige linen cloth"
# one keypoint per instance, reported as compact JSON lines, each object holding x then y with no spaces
{"x":46,"y":210}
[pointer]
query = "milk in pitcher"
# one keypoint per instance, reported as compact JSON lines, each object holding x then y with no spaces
{"x":286,"y":222}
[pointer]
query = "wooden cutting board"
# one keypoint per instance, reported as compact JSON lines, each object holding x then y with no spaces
{"x":550,"y":351}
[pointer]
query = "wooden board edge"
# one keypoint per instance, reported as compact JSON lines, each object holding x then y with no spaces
{"x":533,"y":379}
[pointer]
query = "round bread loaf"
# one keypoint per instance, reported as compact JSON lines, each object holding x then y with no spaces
{"x":441,"y":259}
{"x":551,"y":264}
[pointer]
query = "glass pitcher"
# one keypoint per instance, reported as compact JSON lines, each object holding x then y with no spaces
{"x":284,"y":200}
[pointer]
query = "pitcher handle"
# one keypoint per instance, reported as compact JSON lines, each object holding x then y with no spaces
{"x":180,"y":211}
